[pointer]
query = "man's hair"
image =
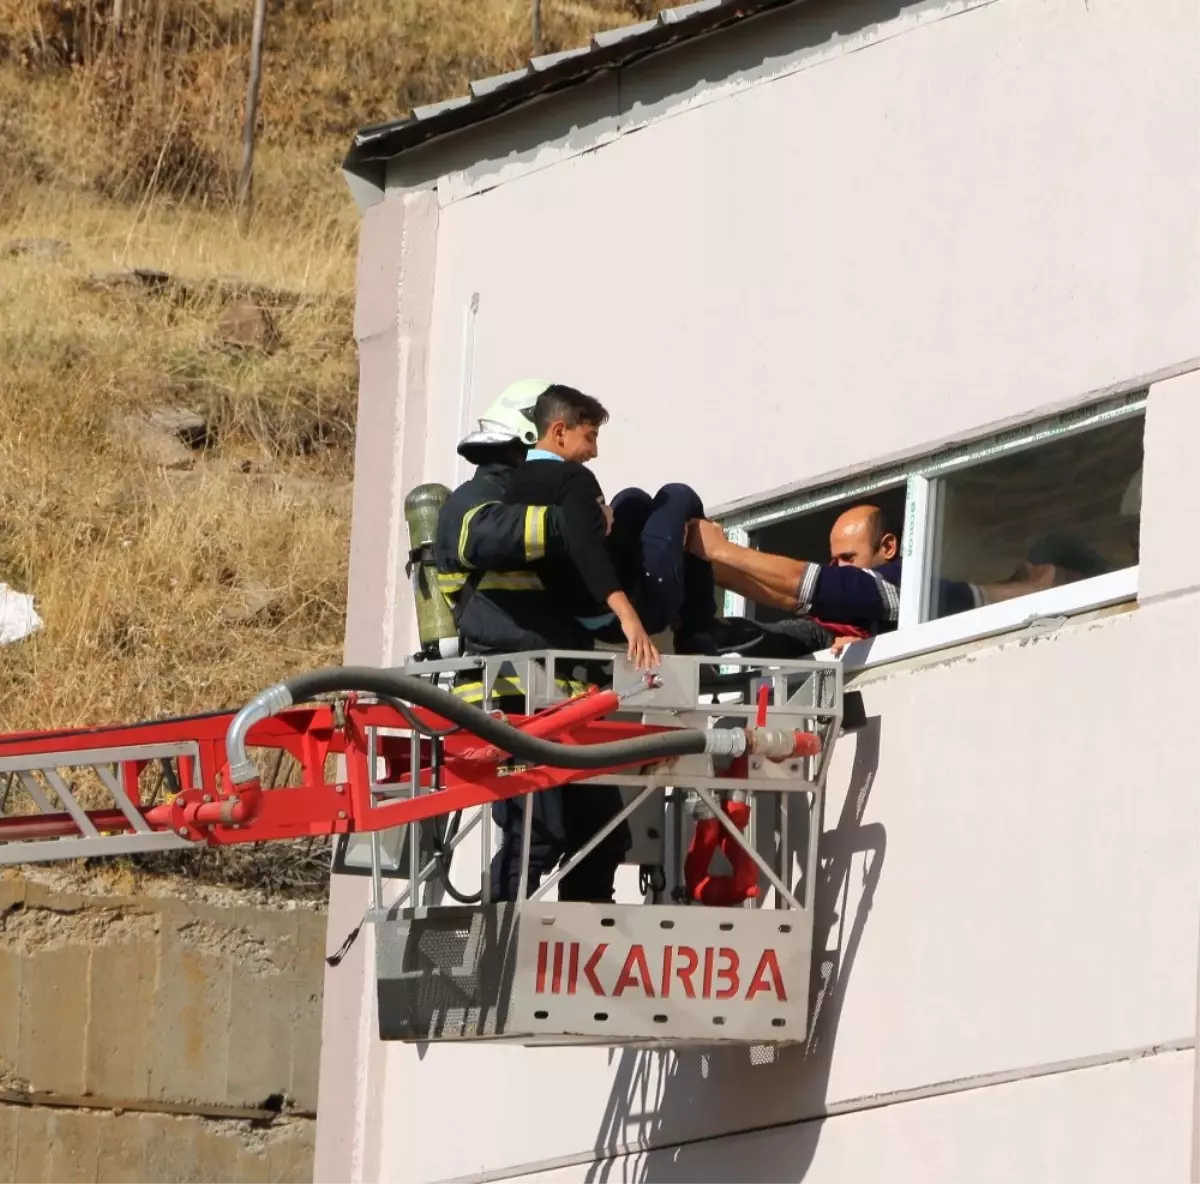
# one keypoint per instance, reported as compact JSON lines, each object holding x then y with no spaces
{"x":878,"y":525}
{"x":573,"y":407}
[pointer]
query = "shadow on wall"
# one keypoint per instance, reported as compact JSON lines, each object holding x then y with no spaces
{"x":655,"y":1093}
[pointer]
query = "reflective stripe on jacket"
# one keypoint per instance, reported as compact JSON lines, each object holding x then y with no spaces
{"x":484,"y":550}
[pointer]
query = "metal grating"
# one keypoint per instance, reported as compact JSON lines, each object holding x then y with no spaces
{"x":446,"y":975}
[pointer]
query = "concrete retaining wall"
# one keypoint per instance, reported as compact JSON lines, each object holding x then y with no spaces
{"x":156,"y":1038}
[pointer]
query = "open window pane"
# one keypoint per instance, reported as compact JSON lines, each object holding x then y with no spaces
{"x":1074,"y":502}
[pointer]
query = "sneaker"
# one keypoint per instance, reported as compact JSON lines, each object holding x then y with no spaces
{"x":724,"y":635}
{"x":793,"y":637}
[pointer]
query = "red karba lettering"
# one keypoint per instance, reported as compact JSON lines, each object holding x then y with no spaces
{"x":721,"y":977}
{"x":686,"y":953}
{"x":573,"y":971}
{"x":728,"y":972}
{"x":558,"y":967}
{"x":768,"y":964}
{"x":589,"y":970}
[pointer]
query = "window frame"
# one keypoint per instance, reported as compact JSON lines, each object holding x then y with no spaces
{"x":915,"y":633}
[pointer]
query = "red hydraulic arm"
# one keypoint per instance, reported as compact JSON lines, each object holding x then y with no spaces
{"x":211,"y":808}
{"x":207,"y":809}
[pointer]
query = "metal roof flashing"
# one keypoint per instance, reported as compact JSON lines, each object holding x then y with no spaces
{"x":373,"y":147}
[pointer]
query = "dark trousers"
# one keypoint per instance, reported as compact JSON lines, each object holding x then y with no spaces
{"x":665,"y":583}
{"x":563,"y":820}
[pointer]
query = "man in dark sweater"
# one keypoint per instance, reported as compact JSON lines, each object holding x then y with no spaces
{"x":858,"y":590}
{"x":623,"y":570}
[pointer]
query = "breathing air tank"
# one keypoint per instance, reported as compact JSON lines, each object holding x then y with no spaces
{"x":435,"y":621}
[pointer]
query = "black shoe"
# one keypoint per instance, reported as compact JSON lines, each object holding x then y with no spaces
{"x":793,"y":637}
{"x":724,"y":635}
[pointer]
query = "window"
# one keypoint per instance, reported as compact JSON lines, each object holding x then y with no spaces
{"x":1039,"y":521}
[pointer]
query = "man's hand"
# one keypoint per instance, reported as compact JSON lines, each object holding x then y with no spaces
{"x":704,"y":538}
{"x":840,"y":644}
{"x":1037,"y":577}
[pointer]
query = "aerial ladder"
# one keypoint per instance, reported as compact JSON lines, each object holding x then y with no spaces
{"x":721,"y":760}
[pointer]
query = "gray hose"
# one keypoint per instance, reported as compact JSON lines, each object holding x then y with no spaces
{"x":642,"y":749}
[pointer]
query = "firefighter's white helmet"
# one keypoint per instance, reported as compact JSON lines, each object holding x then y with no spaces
{"x":508,"y":420}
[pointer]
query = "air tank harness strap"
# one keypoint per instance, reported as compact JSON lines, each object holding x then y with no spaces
{"x":470,"y":586}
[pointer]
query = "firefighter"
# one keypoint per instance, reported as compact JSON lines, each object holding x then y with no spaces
{"x":484,"y":550}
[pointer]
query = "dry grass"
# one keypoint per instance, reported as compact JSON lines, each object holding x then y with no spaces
{"x":172,"y":581}
{"x":158,"y":109}
{"x":169,"y":588}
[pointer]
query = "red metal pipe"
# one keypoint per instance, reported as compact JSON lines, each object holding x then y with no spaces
{"x":235,"y":810}
{"x":52,"y":826}
{"x":587,"y":707}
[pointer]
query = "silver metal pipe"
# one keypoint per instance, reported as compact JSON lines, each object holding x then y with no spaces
{"x":428,"y":869}
{"x":725,"y":741}
{"x":414,"y":828}
{"x":485,"y":831}
{"x":526,"y":843}
{"x":590,"y":845}
{"x":527,"y":800}
{"x":112,"y":782}
{"x":785,"y":851}
{"x":816,"y":812}
{"x":681,"y":839}
{"x":265,"y":704}
{"x":751,"y":835}
{"x":376,"y":837}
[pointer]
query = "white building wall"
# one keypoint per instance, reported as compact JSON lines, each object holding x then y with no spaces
{"x":967,"y":223}
{"x":1070,"y":1127}
{"x":974,"y":221}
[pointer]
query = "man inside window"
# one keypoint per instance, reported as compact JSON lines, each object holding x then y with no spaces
{"x":860,"y":587}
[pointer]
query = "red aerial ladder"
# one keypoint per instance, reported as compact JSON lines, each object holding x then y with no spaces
{"x":710,"y":758}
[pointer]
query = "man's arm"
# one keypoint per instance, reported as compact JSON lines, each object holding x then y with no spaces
{"x":756,"y":575}
{"x":753,"y":574}
{"x":1028,"y":578}
{"x":498,"y":537}
{"x":851,"y":594}
{"x":848,"y":595}
{"x":753,"y":590}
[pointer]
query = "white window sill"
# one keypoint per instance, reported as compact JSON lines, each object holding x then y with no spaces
{"x":1005,"y":617}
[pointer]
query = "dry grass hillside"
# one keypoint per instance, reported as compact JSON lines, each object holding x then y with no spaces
{"x":177,"y":400}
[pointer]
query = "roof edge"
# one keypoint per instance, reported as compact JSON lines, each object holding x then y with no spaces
{"x":373,"y":146}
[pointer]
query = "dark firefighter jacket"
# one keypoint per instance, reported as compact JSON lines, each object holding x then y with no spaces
{"x":483,"y":549}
